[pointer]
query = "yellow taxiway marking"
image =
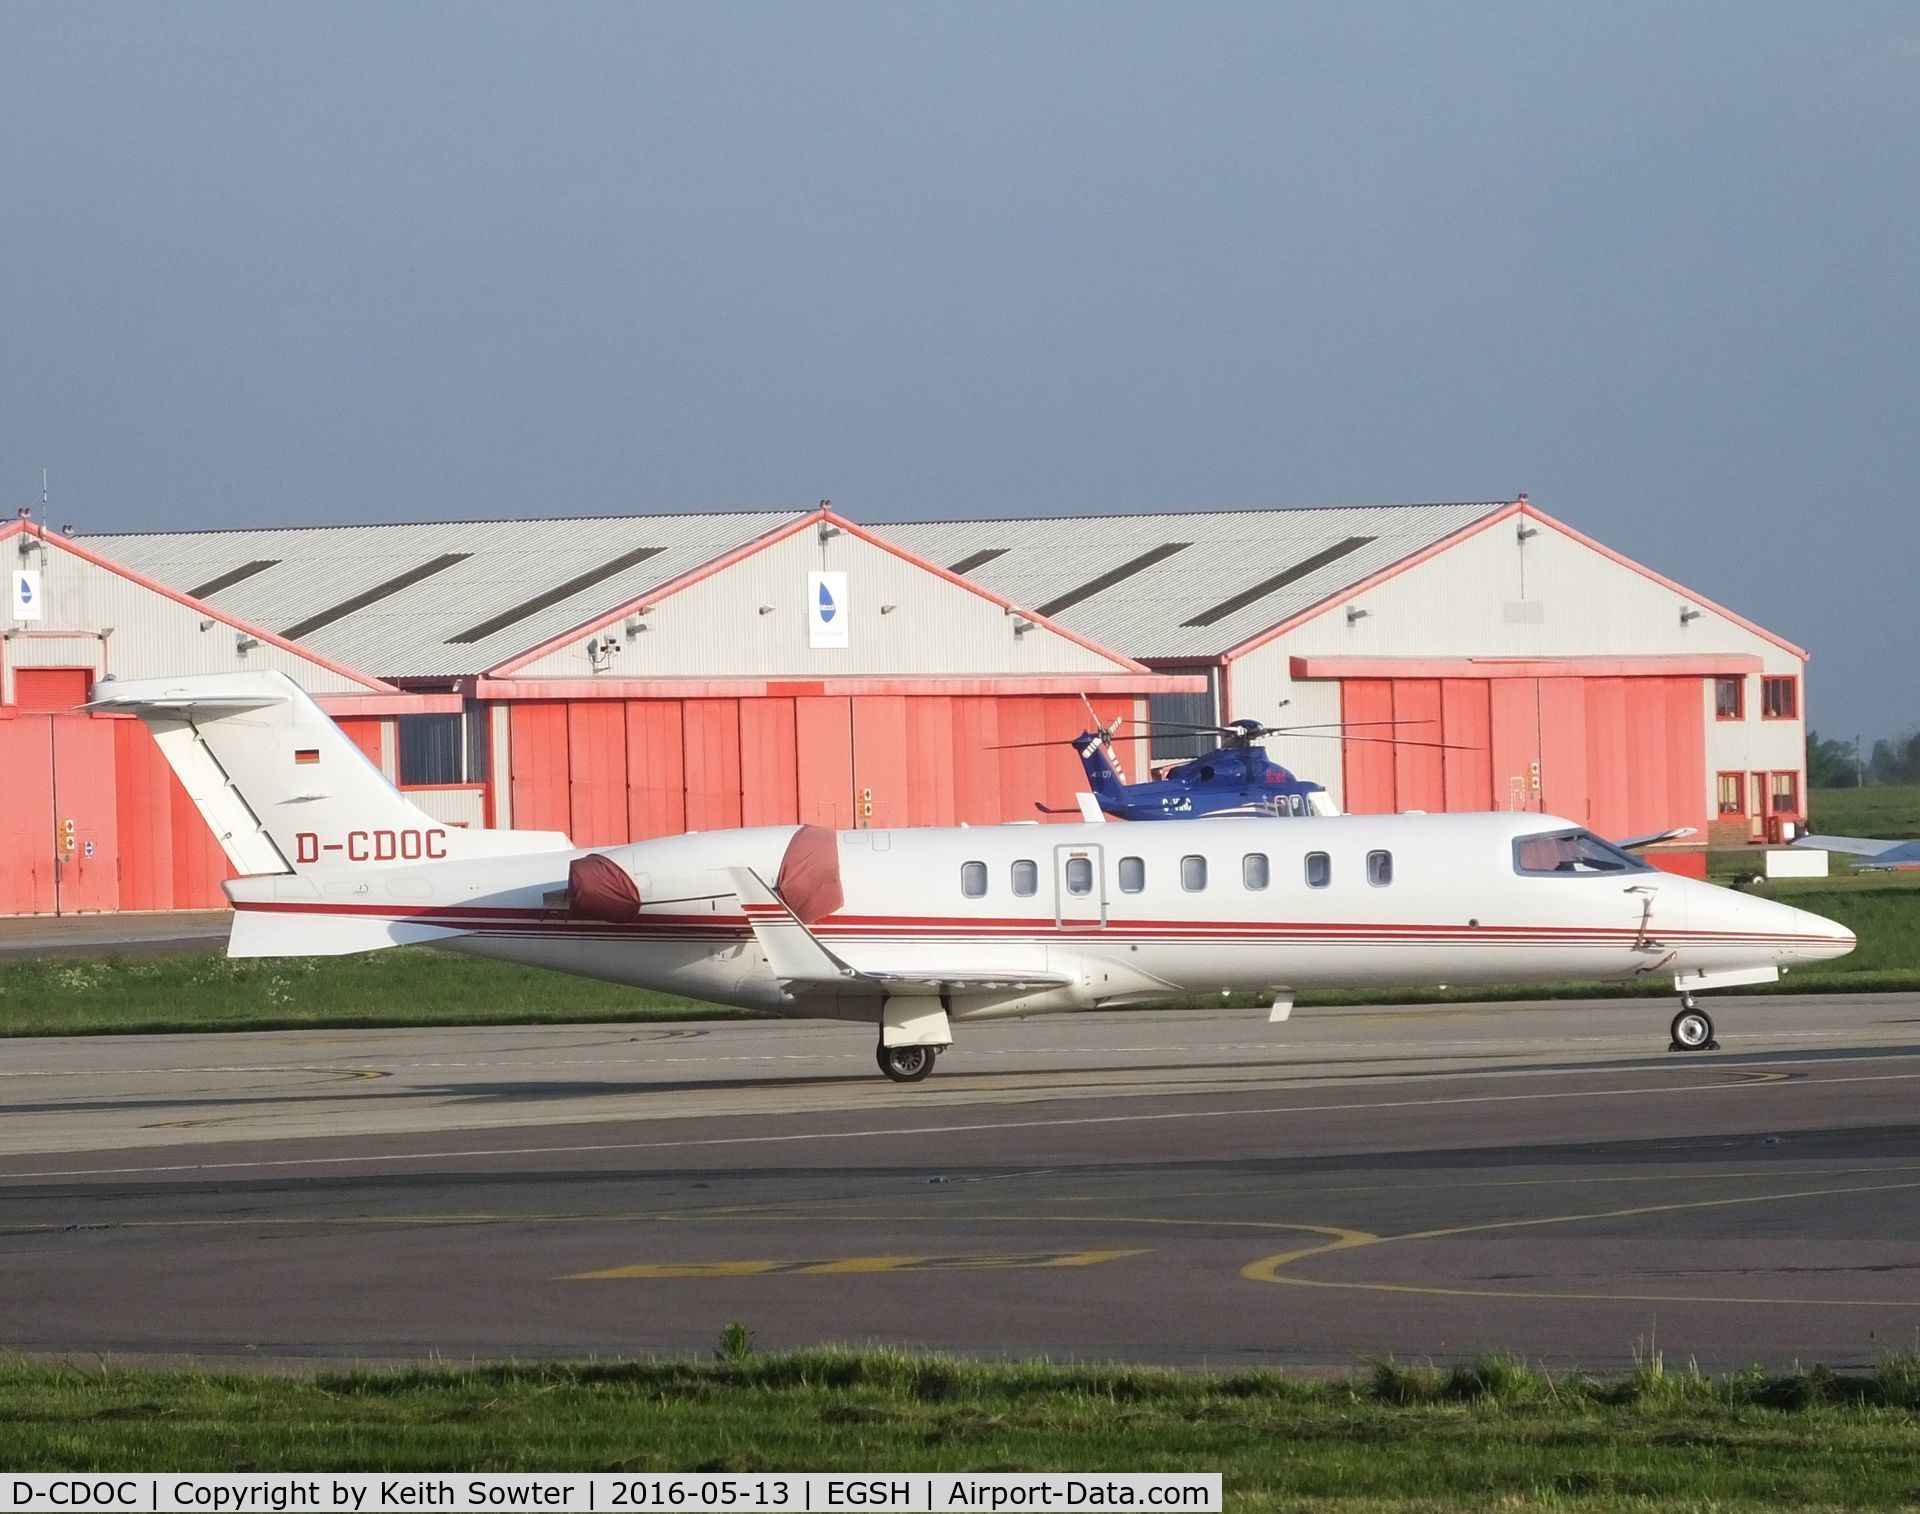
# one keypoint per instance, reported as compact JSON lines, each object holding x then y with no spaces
{"x":859,"y":1264}
{"x":1271,"y":1269}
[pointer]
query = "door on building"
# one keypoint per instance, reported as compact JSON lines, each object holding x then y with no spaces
{"x":60,"y":831}
{"x":1756,"y":806}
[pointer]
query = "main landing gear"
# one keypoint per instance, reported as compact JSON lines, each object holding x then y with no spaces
{"x":906,"y":1064}
{"x":1692,"y":1028}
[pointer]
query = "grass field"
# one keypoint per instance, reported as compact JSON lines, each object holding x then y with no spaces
{"x":199,"y":991}
{"x":1890,"y":811}
{"x":1491,"y":1434}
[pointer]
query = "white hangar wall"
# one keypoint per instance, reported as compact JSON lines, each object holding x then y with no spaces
{"x":750,"y":618}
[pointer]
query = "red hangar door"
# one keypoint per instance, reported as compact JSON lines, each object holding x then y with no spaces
{"x":59,"y":835}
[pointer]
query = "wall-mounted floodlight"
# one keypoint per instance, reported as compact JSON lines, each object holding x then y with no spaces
{"x":1021,"y":625}
{"x":888,"y":609}
{"x":206,"y":625}
{"x":1687,"y":613}
{"x":243,"y":643}
{"x":1524,"y":531}
{"x":634,"y":624}
{"x":766,"y":609}
{"x":1354,"y":612}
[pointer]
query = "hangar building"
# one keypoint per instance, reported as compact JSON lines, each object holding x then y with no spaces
{"x":1563,"y":676}
{"x":93,"y":818}
{"x":619,"y":678}
{"x":632,"y":676}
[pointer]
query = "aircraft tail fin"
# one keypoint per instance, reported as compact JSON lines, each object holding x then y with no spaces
{"x":283,"y":787}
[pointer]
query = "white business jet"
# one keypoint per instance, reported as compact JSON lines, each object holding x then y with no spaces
{"x":913,"y":930}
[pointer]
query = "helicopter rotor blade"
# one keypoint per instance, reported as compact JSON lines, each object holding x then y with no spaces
{"x":1014,"y":746}
{"x":1449,"y":746}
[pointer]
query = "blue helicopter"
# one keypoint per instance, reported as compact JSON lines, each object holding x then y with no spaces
{"x":1236,"y":778}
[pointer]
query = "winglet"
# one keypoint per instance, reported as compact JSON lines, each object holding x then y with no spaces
{"x":793,"y":952}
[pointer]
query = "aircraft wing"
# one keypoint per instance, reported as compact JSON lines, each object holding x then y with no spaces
{"x":1654,"y":838}
{"x":1876,"y":853}
{"x":801,"y":960}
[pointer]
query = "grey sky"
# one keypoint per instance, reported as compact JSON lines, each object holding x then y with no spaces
{"x":1653,"y":264}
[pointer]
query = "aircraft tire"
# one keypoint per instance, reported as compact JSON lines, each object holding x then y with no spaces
{"x":1692,"y":1030}
{"x":905,"y":1064}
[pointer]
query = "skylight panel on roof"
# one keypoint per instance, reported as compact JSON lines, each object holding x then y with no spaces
{"x":1268,"y":586}
{"x":977,"y":560}
{"x":233,"y":576}
{"x":555,"y":595}
{"x":1111,"y":577}
{"x":377,"y":593}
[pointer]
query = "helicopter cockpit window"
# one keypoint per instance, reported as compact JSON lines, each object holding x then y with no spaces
{"x":1564,"y":854}
{"x":1297,"y":803}
{"x":1133,"y":875}
{"x":973,"y":879}
{"x":1254,"y":871}
{"x":1026,"y":878}
{"x":1193,"y":874}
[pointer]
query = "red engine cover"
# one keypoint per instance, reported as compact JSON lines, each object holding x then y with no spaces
{"x":598,"y":888}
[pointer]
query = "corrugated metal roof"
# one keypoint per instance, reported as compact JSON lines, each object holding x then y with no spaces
{"x":1173,"y":584}
{"x":409,"y":632}
{"x":1196,"y":602}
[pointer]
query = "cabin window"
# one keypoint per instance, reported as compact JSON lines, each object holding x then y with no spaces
{"x":1079,"y":876}
{"x":1253,"y":870}
{"x":1565,"y":854}
{"x":1026,"y":878}
{"x":973,"y":879}
{"x":1193,"y":874}
{"x":1319,"y":870}
{"x":1379,"y":868}
{"x":1133,"y":875}
{"x":1729,"y":698}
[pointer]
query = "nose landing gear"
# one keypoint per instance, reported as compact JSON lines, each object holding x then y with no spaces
{"x":1692,"y":1028}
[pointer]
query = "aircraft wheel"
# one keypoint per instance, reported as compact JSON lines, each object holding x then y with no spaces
{"x":905,"y":1064}
{"x":1692,"y":1030}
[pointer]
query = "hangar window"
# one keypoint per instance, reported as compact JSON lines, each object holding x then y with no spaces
{"x":1567,"y":854}
{"x":445,"y":749}
{"x":1026,"y":878}
{"x":1730,"y":793}
{"x":1133,"y":875}
{"x":1730,"y":698}
{"x":1784,"y":794}
{"x":1379,"y":868}
{"x":1319,"y":870}
{"x":1079,"y":876}
{"x":1779,"y":699}
{"x":1193,"y":874}
{"x":973,"y":879}
{"x":1254,"y":870}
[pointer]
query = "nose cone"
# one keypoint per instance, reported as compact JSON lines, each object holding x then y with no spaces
{"x":1773,"y":931}
{"x":1821,"y":939}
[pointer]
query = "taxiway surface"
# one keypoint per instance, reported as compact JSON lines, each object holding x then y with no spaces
{"x":1191,"y":1187}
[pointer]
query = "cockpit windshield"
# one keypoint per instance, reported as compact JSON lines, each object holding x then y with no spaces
{"x":1575,"y":853}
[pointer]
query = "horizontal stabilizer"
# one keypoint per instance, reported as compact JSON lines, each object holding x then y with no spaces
{"x":271,"y":933}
